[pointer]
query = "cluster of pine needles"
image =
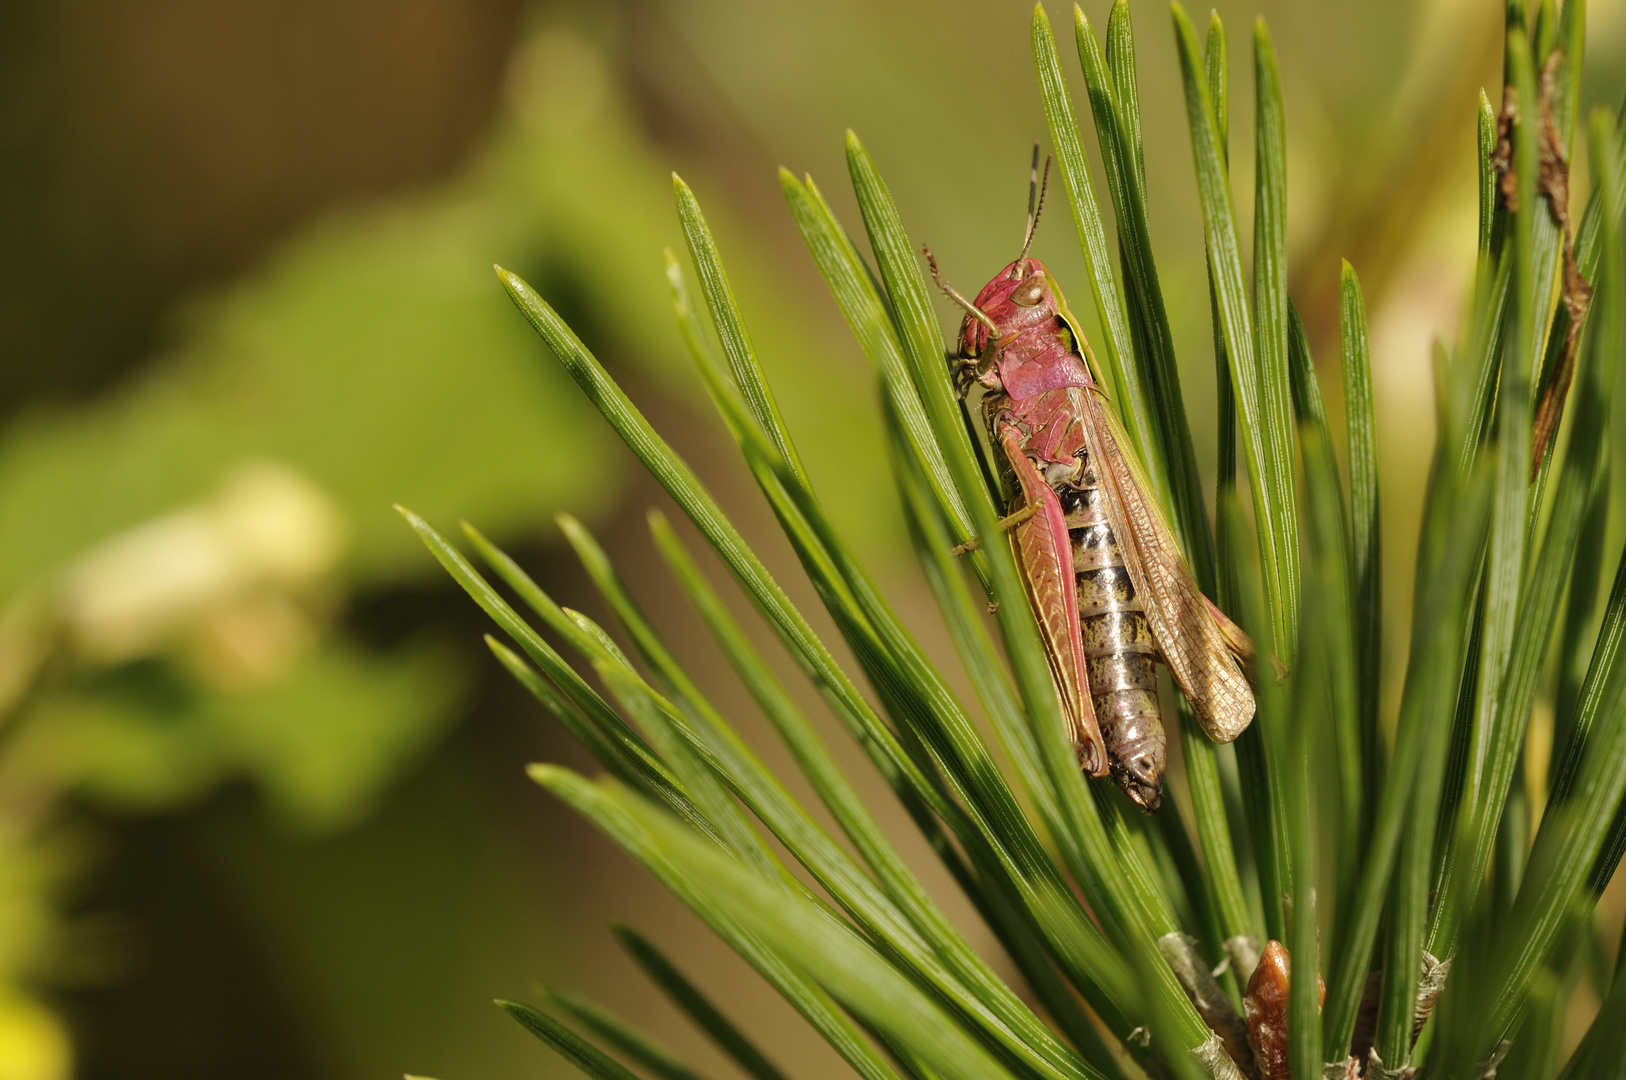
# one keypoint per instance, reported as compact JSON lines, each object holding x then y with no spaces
{"x":1430,"y":929}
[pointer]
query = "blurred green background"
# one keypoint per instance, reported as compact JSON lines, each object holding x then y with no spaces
{"x":262,"y":811}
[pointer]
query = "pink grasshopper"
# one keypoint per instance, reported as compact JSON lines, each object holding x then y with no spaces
{"x":1104,"y":574}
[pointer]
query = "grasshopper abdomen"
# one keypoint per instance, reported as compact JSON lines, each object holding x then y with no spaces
{"x":1120,"y":652}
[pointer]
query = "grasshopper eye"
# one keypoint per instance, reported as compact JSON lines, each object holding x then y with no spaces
{"x":1030,"y":292}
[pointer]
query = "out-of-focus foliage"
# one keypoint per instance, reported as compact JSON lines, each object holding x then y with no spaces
{"x":177,"y":556}
{"x":354,"y":365}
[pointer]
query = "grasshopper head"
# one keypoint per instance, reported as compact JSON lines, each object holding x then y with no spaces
{"x":1020,"y":296}
{"x":1018,"y":335}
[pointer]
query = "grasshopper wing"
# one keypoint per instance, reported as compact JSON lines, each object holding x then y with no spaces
{"x":1201,"y":647}
{"x":1044,"y":554}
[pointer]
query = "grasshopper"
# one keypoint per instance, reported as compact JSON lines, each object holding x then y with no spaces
{"x":1104,"y":574}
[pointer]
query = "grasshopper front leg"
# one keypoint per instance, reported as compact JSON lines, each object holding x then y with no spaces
{"x":969,"y":371}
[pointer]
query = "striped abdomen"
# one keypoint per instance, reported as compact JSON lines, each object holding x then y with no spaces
{"x":1120,"y":652}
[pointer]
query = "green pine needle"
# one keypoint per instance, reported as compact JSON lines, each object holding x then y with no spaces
{"x":1101,"y":913}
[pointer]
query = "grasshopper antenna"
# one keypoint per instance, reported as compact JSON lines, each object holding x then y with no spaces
{"x":1036,"y":194}
{"x":954,"y":294}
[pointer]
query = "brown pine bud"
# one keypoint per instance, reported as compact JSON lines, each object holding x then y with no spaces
{"x":1265,"y":1010}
